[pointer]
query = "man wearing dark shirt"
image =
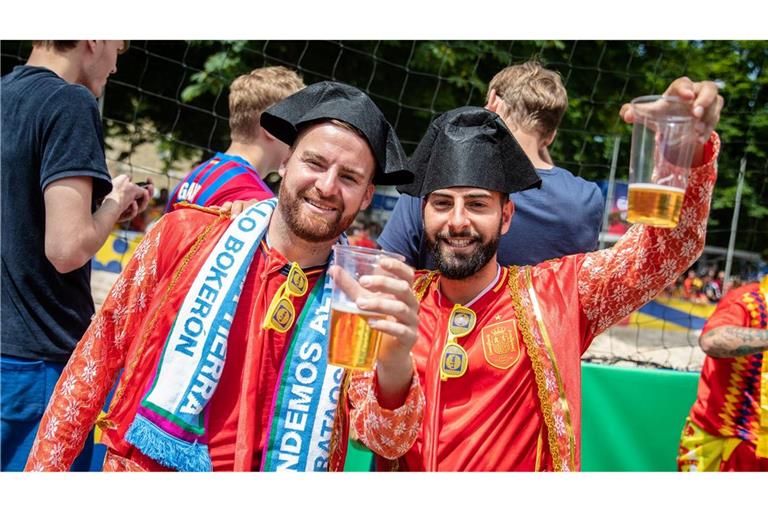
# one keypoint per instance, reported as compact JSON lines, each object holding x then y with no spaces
{"x":59,"y":205}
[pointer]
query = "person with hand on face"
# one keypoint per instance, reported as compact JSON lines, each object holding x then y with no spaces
{"x":205,"y":288}
{"x":59,"y":206}
{"x":499,"y":347}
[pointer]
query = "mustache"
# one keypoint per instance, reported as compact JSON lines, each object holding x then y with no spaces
{"x":475,"y":237}
{"x":313,"y":195}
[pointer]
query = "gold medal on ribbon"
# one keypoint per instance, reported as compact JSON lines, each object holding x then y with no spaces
{"x":454,"y":360}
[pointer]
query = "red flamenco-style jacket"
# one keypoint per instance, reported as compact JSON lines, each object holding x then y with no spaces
{"x":518,"y":406}
{"x":129,"y":334}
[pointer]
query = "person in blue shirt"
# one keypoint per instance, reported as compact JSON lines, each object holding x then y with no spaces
{"x":562,"y":217}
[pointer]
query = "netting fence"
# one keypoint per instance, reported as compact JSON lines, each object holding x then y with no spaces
{"x":166,"y":109}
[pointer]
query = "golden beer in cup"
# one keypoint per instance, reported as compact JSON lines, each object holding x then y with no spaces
{"x":353,"y":344}
{"x":655,"y":205}
{"x":663,"y":142}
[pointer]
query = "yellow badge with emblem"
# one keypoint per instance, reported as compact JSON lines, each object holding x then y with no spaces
{"x":501,"y":345}
{"x":454,"y":360}
{"x":281,"y":313}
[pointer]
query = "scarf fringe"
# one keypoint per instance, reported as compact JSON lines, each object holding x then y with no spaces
{"x":169,"y":451}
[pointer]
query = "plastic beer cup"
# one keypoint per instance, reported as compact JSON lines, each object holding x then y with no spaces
{"x":663,"y":142}
{"x":353,"y":343}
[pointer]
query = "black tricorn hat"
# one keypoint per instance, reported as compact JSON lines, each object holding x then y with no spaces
{"x":334,"y":100}
{"x":469,"y":147}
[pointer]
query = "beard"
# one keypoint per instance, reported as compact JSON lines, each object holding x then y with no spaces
{"x":312,"y":228}
{"x":461,"y":266}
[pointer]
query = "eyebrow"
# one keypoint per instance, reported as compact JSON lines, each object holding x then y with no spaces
{"x":317,"y":156}
{"x":475,"y":195}
{"x":478,"y":195}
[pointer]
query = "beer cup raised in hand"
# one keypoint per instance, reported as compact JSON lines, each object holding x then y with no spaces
{"x":663,"y":142}
{"x":353,"y":343}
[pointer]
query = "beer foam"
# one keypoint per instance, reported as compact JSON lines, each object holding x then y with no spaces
{"x":653,"y":186}
{"x":351,"y":308}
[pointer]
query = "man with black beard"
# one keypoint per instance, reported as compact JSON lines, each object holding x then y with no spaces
{"x":205,"y":288}
{"x":498,"y":351}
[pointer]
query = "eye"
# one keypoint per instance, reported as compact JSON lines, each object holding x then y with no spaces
{"x":349,"y":178}
{"x":441,"y":204}
{"x":315,"y":164}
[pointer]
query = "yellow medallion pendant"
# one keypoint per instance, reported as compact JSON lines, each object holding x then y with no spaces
{"x":454,"y":360}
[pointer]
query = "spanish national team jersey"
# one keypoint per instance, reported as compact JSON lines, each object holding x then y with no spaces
{"x":220,"y":179}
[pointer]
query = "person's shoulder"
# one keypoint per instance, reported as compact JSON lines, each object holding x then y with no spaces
{"x":75,"y":95}
{"x":47,"y":88}
{"x":735,"y":297}
{"x":63,"y":98}
{"x":567,"y":176}
{"x":574,"y":188}
{"x":737,"y":293}
{"x":191,"y":216}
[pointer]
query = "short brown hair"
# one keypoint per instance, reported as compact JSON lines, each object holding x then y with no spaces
{"x":252,"y":93}
{"x":59,"y":46}
{"x":535,"y":97}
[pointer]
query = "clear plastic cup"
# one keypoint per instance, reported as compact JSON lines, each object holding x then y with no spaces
{"x":353,"y":343}
{"x":663,"y":142}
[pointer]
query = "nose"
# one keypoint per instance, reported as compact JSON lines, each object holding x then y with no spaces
{"x":458,"y":221}
{"x":328,"y":183}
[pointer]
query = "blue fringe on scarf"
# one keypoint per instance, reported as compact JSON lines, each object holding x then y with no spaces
{"x":169,"y":451}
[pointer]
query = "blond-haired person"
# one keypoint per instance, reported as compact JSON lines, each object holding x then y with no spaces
{"x":238,"y":173}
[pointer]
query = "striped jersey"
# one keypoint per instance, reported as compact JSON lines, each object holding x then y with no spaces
{"x":730,"y":395}
{"x":220,"y":179}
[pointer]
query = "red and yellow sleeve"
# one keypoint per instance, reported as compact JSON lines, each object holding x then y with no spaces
{"x":90,"y":373}
{"x":614,"y":282}
{"x":389,"y":433}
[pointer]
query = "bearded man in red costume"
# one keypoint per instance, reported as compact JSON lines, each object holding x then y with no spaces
{"x":220,"y":323}
{"x":499,"y":348}
{"x":727,"y":429}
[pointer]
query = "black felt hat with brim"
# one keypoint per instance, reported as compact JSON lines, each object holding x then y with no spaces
{"x":334,"y":100}
{"x":469,"y":147}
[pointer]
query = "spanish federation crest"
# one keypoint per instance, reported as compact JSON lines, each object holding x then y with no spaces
{"x":501,"y":345}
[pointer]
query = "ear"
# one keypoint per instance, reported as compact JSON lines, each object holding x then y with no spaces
{"x":492,"y":103}
{"x":281,"y":169}
{"x":368,"y":196}
{"x":267,"y":135}
{"x":550,"y":138}
{"x":507,"y":212}
{"x":92,"y":46}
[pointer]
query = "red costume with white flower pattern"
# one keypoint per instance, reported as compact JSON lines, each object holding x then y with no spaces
{"x":130,"y":331}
